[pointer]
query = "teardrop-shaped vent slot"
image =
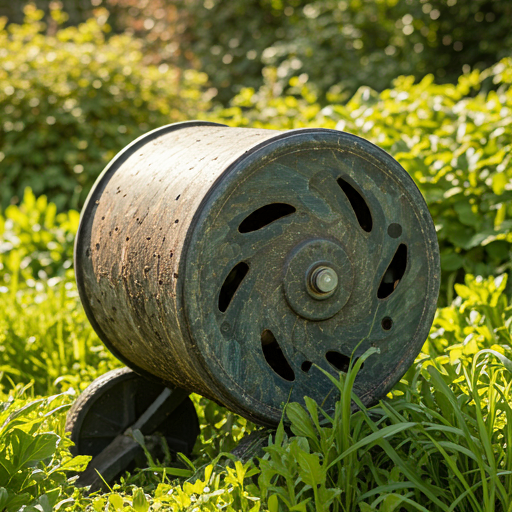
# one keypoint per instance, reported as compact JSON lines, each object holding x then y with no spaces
{"x":275,"y":357}
{"x":306,"y":366}
{"x":231,"y":284}
{"x":264,"y":216}
{"x":394,"y":273}
{"x":338,"y":360}
{"x":363,"y":214}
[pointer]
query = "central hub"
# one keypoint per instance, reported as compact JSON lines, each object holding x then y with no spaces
{"x":318,"y":279}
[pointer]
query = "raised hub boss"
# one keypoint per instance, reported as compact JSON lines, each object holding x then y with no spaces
{"x":236,"y":262}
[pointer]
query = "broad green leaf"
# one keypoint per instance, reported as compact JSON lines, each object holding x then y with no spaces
{"x":78,"y":463}
{"x":312,"y":472}
{"x":499,"y":181}
{"x":116,"y":501}
{"x":273,"y":503}
{"x":300,"y":420}
{"x":139,"y":502}
{"x":4,"y":497}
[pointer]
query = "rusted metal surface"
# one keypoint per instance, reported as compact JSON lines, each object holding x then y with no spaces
{"x":200,"y":249}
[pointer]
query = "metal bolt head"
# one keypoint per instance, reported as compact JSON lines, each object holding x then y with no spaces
{"x":324,"y":280}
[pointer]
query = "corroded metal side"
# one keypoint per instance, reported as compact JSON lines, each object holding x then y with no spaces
{"x":131,"y":239}
{"x":302,"y":170}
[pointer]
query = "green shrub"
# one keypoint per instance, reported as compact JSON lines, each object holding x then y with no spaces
{"x":70,"y":101}
{"x":34,"y":455}
{"x":341,"y":45}
{"x":338,"y":44}
{"x":454,"y":140}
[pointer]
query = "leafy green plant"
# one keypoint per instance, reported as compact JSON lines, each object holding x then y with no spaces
{"x":479,"y":318}
{"x":72,"y":100}
{"x":213,"y":488}
{"x":221,"y":430}
{"x":459,"y":443}
{"x":36,"y":242}
{"x":34,"y":460}
{"x":327,"y":465}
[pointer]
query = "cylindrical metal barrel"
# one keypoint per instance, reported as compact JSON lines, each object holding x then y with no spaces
{"x":238,"y":263}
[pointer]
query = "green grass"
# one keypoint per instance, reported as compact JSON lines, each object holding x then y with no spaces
{"x":438,"y":442}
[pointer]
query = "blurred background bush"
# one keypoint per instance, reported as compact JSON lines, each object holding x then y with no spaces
{"x":340,"y":45}
{"x":72,"y":98}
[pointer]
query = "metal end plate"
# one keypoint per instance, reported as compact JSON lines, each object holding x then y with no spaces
{"x":309,"y":198}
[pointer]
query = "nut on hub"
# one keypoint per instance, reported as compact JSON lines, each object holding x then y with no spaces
{"x":322,"y":282}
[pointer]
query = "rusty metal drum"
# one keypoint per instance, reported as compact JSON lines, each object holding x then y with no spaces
{"x":239,"y":263}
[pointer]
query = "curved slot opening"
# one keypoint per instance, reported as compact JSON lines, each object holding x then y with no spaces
{"x":337,"y":360}
{"x":231,"y":284}
{"x":363,"y":214}
{"x":275,"y":357}
{"x":264,"y":216}
{"x":394,"y":273}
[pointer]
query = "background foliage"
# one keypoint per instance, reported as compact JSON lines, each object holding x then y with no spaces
{"x":339,"y":44}
{"x":72,"y":100}
{"x":73,"y":95}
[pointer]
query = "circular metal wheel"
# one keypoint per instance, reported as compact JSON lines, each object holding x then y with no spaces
{"x":239,"y":263}
{"x":114,"y":402}
{"x":317,"y":247}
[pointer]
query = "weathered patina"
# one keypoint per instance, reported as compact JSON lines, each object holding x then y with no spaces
{"x":237,"y":262}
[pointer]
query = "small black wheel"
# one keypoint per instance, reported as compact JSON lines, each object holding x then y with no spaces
{"x":114,"y":402}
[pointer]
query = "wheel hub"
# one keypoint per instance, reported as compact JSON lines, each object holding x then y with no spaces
{"x":318,"y":279}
